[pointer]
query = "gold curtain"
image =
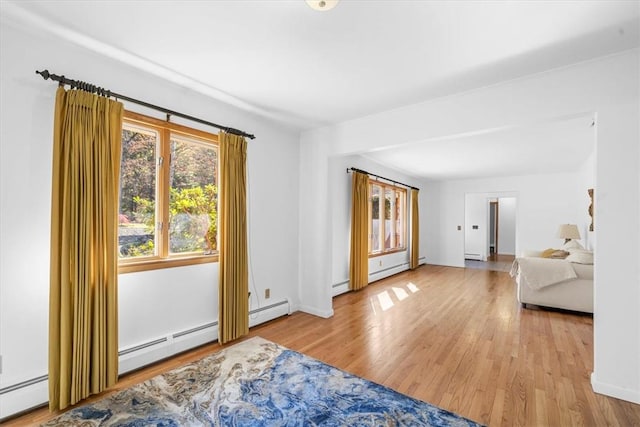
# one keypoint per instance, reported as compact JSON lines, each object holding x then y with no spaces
{"x":233,"y":318}
{"x":83,"y":316}
{"x":359,"y":258}
{"x":415,"y":230}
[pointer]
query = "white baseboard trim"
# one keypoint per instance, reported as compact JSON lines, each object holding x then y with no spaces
{"x":314,"y":311}
{"x":611,"y":390}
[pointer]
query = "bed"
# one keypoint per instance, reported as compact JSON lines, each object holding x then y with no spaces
{"x":556,"y":283}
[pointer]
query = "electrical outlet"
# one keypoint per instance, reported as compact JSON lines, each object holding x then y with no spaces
{"x":267,"y":293}
{"x":380,"y":263}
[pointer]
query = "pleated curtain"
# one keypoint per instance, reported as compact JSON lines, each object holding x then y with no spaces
{"x":415,"y":230}
{"x":359,"y":254}
{"x":233,"y":297}
{"x":83,"y":313}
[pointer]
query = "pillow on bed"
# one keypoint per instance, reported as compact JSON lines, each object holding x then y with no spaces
{"x":554,"y":253}
{"x":547,"y":253}
{"x":580,"y":256}
{"x":572,"y":244}
{"x":559,"y":254}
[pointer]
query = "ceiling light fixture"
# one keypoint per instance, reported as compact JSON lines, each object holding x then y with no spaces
{"x":322,"y":5}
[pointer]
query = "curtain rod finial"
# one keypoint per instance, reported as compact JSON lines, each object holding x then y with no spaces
{"x":45,"y":74}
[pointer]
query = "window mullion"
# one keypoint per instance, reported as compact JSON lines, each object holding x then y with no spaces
{"x":392,"y":225}
{"x":405,"y":212}
{"x":381,"y":205}
{"x":163,"y":190}
{"x":370,"y":218}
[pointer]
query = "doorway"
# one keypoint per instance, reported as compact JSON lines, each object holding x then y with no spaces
{"x":493,"y":227}
{"x":501,"y":240}
{"x":490,"y":230}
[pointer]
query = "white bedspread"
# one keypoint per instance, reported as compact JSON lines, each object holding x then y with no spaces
{"x":540,"y":272}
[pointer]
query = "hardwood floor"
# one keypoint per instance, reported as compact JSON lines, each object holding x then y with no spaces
{"x":495,"y":262}
{"x":454,"y":337}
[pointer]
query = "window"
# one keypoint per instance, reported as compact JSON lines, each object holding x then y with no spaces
{"x":168,"y":195}
{"x":387,"y":218}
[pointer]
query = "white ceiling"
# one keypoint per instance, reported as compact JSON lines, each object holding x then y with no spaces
{"x":556,"y":146}
{"x":283,"y":60}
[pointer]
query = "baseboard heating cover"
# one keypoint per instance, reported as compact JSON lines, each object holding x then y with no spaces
{"x":141,"y":346}
{"x":196,"y":329}
{"x":343,"y":287}
{"x":345,"y":282}
{"x":137,"y":356}
{"x":23,"y":384}
{"x":269,"y":312}
{"x":163,"y":347}
{"x":404,"y":264}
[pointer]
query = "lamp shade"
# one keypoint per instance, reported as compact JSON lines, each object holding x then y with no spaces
{"x":568,"y":231}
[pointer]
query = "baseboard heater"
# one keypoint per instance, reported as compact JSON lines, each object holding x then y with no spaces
{"x":141,"y":346}
{"x":404,"y":264}
{"x":196,"y":329}
{"x":340,"y":284}
{"x":268,"y":307}
{"x":23,"y":384}
{"x":152,"y":343}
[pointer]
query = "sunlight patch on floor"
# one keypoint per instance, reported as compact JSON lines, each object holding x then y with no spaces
{"x":413,"y":288}
{"x":385,"y":301}
{"x":400,"y":293}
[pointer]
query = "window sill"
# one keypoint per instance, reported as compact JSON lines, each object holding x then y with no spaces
{"x":395,"y":251}
{"x":157,"y":264}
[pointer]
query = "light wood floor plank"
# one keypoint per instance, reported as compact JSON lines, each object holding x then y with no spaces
{"x":456,"y":338}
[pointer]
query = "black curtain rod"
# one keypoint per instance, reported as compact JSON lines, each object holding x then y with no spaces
{"x":88,"y":87}
{"x":381,"y":177}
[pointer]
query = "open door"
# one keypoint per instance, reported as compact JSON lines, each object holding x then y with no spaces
{"x":493,"y":227}
{"x":501,"y":239}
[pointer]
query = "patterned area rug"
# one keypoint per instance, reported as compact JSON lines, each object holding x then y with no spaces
{"x":258,"y":383}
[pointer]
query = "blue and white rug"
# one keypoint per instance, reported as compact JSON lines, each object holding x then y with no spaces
{"x":258,"y":383}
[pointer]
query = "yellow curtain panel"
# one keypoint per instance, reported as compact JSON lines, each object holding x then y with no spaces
{"x":359,"y":257}
{"x":415,"y":230}
{"x":233,"y":321}
{"x":83,"y":315}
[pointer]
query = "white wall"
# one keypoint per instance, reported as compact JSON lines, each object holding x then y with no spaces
{"x":507,"y":225}
{"x":340,"y":201}
{"x":153,"y":304}
{"x":477,"y":228}
{"x":477,"y":214}
{"x":476,"y":224}
{"x":607,"y":87}
{"x":587,"y":180}
{"x":543,"y":202}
